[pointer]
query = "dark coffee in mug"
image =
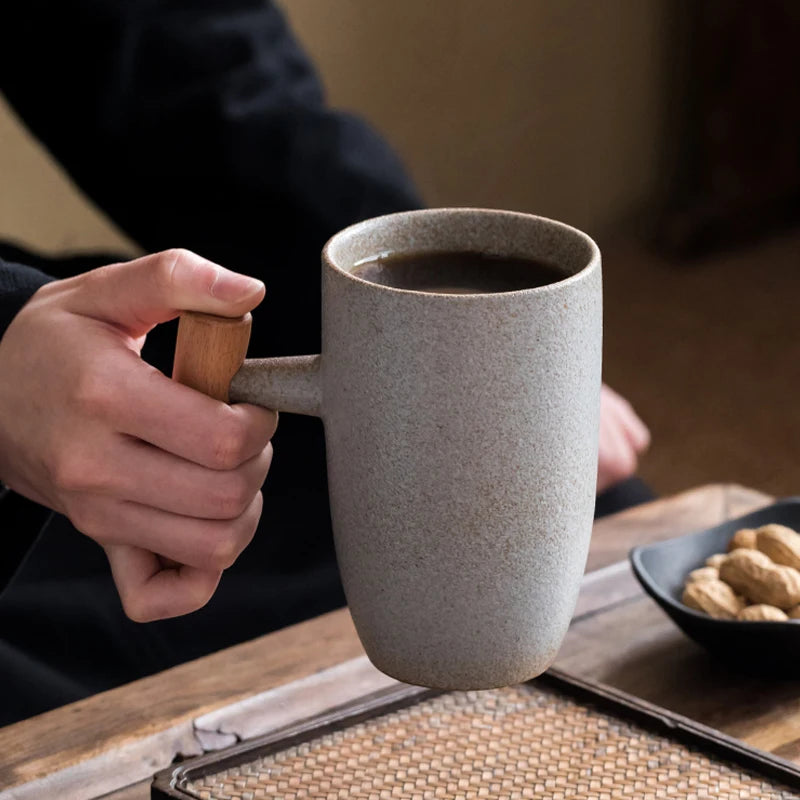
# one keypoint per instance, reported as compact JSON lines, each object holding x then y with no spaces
{"x":454,"y":272}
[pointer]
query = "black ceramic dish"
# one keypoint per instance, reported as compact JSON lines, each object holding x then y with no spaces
{"x":662,"y":568}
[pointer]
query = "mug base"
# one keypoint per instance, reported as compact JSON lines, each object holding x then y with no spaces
{"x":458,"y":679}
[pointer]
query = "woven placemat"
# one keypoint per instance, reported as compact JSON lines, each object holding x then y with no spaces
{"x":527,"y":741}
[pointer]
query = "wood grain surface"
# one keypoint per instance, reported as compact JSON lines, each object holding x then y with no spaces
{"x":102,"y":734}
{"x":633,"y":646}
{"x":618,"y":636}
{"x":209,"y":351}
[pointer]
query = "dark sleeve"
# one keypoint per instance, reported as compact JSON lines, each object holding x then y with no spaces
{"x":17,"y":284}
{"x":202,"y":124}
{"x":20,"y":519}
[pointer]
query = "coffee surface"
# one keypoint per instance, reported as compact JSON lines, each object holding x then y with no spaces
{"x":454,"y":272}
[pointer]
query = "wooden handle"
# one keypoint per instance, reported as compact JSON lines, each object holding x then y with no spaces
{"x":209,"y":351}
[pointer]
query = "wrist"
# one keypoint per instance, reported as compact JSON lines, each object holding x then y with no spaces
{"x":18,"y":284}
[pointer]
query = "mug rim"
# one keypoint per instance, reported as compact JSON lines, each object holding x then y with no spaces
{"x":357,"y":228}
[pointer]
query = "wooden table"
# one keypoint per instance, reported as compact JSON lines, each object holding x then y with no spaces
{"x":109,"y":745}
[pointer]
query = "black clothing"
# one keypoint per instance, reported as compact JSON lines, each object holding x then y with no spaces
{"x":625,"y":494}
{"x":200,"y":125}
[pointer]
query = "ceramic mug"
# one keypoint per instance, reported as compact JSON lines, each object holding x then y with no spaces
{"x":461,"y":434}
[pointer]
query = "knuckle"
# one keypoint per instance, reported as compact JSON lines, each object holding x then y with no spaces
{"x":137,"y":607}
{"x":229,"y":446}
{"x":94,"y":393}
{"x":249,"y":523}
{"x":98,"y":276}
{"x":168,"y":264}
{"x":76,"y":471}
{"x":224,"y":552}
{"x":233,"y":496}
{"x":240,"y":494}
{"x":230,"y":539}
{"x":70,"y":471}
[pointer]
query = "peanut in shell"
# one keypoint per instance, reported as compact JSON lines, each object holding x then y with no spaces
{"x":754,"y":575}
{"x":780,"y":543}
{"x":762,"y":613}
{"x":714,"y":597}
{"x":744,"y":538}
{"x":703,"y":574}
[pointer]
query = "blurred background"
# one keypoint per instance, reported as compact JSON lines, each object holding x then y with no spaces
{"x":669,"y":130}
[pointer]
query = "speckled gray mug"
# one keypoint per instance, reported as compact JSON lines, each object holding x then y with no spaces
{"x":461,"y":436}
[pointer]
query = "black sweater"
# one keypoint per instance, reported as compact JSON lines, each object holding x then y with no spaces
{"x":197,"y":124}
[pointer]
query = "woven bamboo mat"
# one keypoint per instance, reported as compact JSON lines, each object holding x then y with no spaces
{"x":528,"y":741}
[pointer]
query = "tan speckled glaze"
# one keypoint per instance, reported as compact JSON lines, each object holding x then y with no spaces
{"x":461,"y":434}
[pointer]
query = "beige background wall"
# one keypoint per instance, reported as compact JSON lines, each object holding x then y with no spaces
{"x":549,"y":106}
{"x":39,"y":206}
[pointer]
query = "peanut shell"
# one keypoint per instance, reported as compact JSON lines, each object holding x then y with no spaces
{"x":780,"y":543}
{"x":762,"y":613}
{"x":744,"y":538}
{"x":703,"y":574}
{"x":753,"y":574}
{"x":716,"y":560}
{"x":713,"y":597}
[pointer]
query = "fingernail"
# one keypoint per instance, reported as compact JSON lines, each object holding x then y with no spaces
{"x":232,"y":286}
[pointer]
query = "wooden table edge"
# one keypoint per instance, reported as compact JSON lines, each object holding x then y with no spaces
{"x":148,"y":742}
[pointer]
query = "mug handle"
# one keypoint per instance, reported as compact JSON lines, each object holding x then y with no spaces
{"x":210,"y":357}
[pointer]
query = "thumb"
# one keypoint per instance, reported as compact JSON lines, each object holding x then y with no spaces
{"x":139,"y":294}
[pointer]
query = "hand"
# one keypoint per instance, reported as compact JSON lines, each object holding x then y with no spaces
{"x":142,"y":465}
{"x":623,"y":437}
